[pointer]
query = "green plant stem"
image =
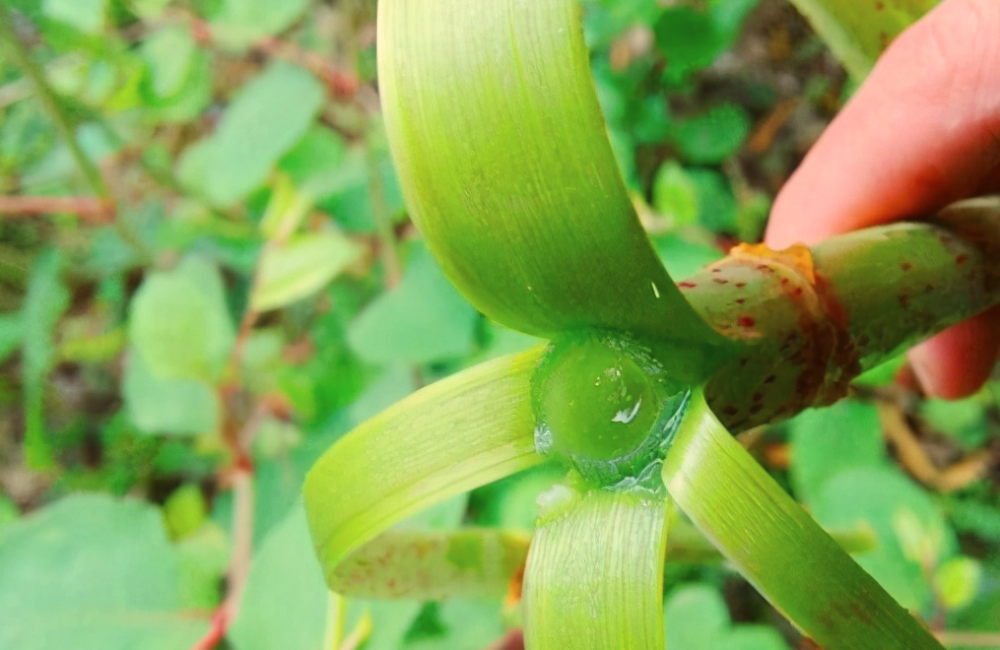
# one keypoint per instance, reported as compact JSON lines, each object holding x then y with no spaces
{"x":778,"y":547}
{"x":815,"y":319}
{"x":595,"y":572}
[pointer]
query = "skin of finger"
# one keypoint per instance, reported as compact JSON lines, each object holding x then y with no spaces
{"x":958,"y":361}
{"x":922,"y":131}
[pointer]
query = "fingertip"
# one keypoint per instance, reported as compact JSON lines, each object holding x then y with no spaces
{"x":957,"y":362}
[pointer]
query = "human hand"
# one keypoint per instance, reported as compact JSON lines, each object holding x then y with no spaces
{"x":922,"y":131}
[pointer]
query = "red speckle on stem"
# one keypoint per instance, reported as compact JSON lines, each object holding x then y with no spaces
{"x":757,"y":397}
{"x":687,"y":285}
{"x":904,"y":301}
{"x":798,"y":292}
{"x":740,"y":285}
{"x":879,"y":6}
{"x":961,"y":259}
{"x":740,"y":301}
{"x":906,"y":266}
{"x":720,"y":281}
{"x":730,"y":410}
{"x":745,"y":321}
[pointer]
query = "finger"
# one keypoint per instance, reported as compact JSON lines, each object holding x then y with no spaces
{"x":923,"y":131}
{"x":956,"y":362}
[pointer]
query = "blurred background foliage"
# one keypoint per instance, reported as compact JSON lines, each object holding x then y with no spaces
{"x":207,"y":275}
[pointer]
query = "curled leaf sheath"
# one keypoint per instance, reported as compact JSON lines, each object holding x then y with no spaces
{"x":813,"y":319}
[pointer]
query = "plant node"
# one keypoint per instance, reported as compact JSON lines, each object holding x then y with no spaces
{"x":605,"y":406}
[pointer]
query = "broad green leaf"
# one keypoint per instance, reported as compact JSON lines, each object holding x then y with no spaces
{"x":148,"y":8}
{"x":462,"y":432}
{"x":168,"y":406}
{"x":179,"y":322}
{"x":684,"y":258}
{"x":859,"y":31}
{"x":87,"y":16}
{"x":93,"y":573}
{"x":595,"y":574}
{"x":507,"y":169}
{"x":763,"y":532}
{"x":712,"y":137}
{"x":423,"y":319}
{"x":301,"y":266}
{"x":911,"y":531}
{"x":674,"y":195}
{"x":464,"y":624}
{"x":169,"y":55}
{"x":204,"y":556}
{"x":241,"y":22}
{"x":285,"y":603}
{"x":11,"y":334}
{"x":263,"y":122}
{"x":828,"y":441}
{"x":44,"y":304}
{"x":695,"y":617}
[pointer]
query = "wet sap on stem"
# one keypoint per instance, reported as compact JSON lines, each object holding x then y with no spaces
{"x":605,"y":406}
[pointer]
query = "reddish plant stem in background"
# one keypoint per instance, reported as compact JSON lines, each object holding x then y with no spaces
{"x":239,"y":566}
{"x":96,"y":211}
{"x":341,"y":83}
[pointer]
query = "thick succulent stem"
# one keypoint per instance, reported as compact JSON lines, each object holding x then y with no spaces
{"x":814,"y":319}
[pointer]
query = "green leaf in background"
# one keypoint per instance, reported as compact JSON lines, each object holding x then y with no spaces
{"x":957,"y":582}
{"x":966,"y":420}
{"x":11,"y":334}
{"x":87,"y":16}
{"x":712,"y":137}
{"x":300,"y":267}
{"x":696,"y":618}
{"x":462,"y":625}
{"x":675,"y":195}
{"x":265,"y":120}
{"x":148,"y":8}
{"x":8,"y":513}
{"x":241,"y":22}
{"x":315,"y":164}
{"x":911,"y":531}
{"x":169,"y":54}
{"x":44,"y":304}
{"x":858,"y":32}
{"x":285,"y":603}
{"x":168,"y":406}
{"x":93,"y":573}
{"x":423,"y":319}
{"x":828,"y":441}
{"x":179,"y":323}
{"x":717,"y":207}
{"x":684,"y":258}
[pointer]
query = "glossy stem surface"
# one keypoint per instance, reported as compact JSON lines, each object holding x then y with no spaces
{"x":813,"y":319}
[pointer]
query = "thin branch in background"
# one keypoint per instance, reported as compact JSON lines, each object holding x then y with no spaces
{"x":19,"y":54}
{"x":341,"y":83}
{"x":96,"y":211}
